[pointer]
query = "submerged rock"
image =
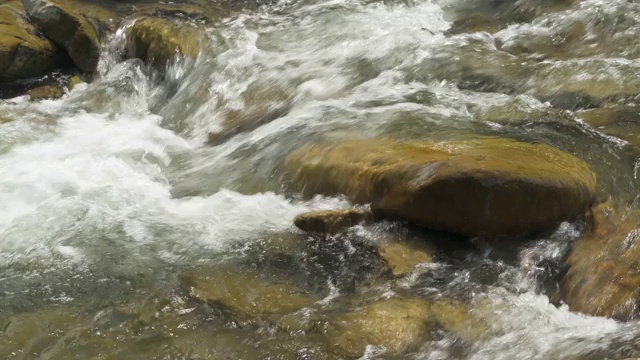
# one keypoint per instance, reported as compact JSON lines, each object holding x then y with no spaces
{"x":398,"y":325}
{"x":246,"y":293}
{"x":486,"y":186}
{"x":236,"y":122}
{"x":160,"y":40}
{"x":23,"y":51}
{"x":331,"y":221}
{"x":603,"y":275}
{"x":27,"y":335}
{"x":73,"y":25}
{"x":403,"y":256}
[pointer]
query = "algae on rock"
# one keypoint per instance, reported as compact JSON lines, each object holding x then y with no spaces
{"x":24,"y":52}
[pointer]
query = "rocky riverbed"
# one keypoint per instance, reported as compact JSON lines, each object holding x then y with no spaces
{"x":318,"y":179}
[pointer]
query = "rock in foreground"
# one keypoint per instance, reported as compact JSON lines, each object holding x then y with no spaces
{"x":486,"y":186}
{"x":603,"y":274}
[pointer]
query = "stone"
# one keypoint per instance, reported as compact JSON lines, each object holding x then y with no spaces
{"x":28,"y":334}
{"x":245,"y":293}
{"x":483,"y":186}
{"x":399,"y":324}
{"x":161,"y":40}
{"x":24,"y":52}
{"x":603,"y":275}
{"x":402,"y":257}
{"x":46,"y":92}
{"x":331,"y":221}
{"x":74,"y":25}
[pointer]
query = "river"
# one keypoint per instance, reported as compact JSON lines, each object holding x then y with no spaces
{"x":108,"y":195}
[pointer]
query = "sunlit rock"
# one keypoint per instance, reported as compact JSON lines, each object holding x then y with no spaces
{"x":486,"y":186}
{"x":23,"y":51}
{"x":74,"y":25}
{"x":161,"y":40}
{"x":262,"y":102}
{"x":331,"y":221}
{"x":603,"y":275}
{"x":246,"y":293}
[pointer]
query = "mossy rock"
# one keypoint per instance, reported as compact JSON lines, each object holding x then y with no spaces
{"x":159,"y":40}
{"x":245,"y":293}
{"x":24,"y":52}
{"x":485,"y":186}
{"x":603,"y":275}
{"x":74,"y":25}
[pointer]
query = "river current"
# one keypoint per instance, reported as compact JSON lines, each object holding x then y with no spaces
{"x":109,"y":193}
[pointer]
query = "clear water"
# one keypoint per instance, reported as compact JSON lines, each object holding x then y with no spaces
{"x":109,"y":194}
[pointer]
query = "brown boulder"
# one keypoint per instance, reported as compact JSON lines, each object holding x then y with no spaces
{"x":160,"y":40}
{"x":603,"y":275}
{"x":487,"y":186}
{"x":73,"y":25}
{"x":23,"y":51}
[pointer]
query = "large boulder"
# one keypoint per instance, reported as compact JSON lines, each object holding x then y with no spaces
{"x":485,"y":186}
{"x":74,"y":25}
{"x":23,"y":51}
{"x":603,"y":275}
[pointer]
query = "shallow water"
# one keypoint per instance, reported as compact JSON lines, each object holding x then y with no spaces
{"x":108,"y":195}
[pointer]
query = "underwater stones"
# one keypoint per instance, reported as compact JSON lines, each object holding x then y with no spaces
{"x":23,"y":51}
{"x":484,"y":186}
{"x":245,"y":293}
{"x":603,"y":275}
{"x":403,"y":256}
{"x":28,"y":334}
{"x":399,"y":324}
{"x":73,"y":25}
{"x":331,"y":221}
{"x":160,"y":40}
{"x":239,"y":121}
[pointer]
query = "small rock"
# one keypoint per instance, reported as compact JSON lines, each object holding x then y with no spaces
{"x":331,"y":221}
{"x":485,"y":186}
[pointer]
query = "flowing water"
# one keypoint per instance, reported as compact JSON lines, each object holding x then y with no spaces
{"x":108,"y":195}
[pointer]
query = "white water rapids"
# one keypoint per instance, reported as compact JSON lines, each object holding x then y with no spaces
{"x":116,"y":179}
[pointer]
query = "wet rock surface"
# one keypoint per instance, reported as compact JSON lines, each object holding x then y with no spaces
{"x":478,"y":187}
{"x":24,"y":52}
{"x":602,"y":277}
{"x":331,"y":221}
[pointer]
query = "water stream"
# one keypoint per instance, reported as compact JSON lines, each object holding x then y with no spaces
{"x":109,"y":194}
